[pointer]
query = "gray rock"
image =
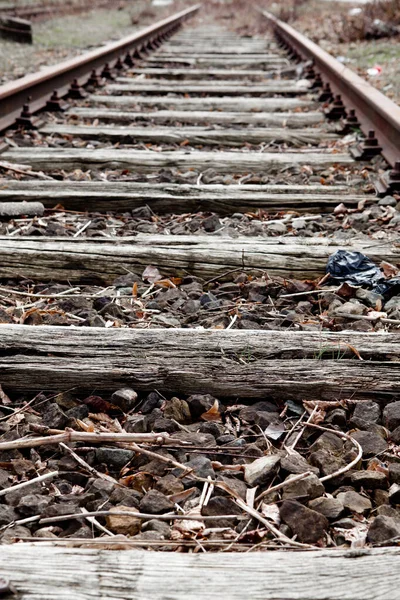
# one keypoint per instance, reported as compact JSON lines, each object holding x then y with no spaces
{"x":306,"y":489}
{"x":7,"y":515}
{"x":394,"y":473}
{"x":389,"y":511}
{"x":32,"y":504}
{"x":199,"y":404}
{"x":328,"y":441}
{"x":260,"y":471}
{"x":331,"y":508}
{"x":394,"y":493}
{"x":155,"y":503}
{"x":13,"y":534}
{"x":371,"y":443}
{"x":54,"y":417}
{"x":337,"y":416}
{"x":353,"y":307}
{"x":395,"y":436}
{"x":380,"y":497}
{"x":169,"y":484}
{"x":369,"y":480}
{"x":368,"y":297}
{"x":391,"y":415}
{"x":160,"y":527}
{"x":308,"y":525}
{"x":220,"y":505}
{"x":358,"y":221}
{"x":115,"y":458}
{"x":354,"y":502}
{"x":152,"y":401}
{"x":126,"y":496}
{"x":125,"y":399}
{"x":365,"y":413}
{"x":278,"y":228}
{"x":299,"y":223}
{"x":345,"y":523}
{"x":201,"y":466}
{"x":383,"y":529}
{"x":178,"y":410}
{"x":326,"y":462}
{"x":392,"y":304}
{"x":234,"y":483}
{"x":387,"y":201}
{"x":296,"y":464}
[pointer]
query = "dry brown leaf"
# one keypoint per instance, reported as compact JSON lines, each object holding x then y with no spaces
{"x":151,"y":274}
{"x":213,"y":413}
{"x":5,"y":400}
{"x":388,"y":269}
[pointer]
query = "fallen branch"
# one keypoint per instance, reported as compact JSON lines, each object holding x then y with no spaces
{"x":94,"y":438}
{"x":347,"y":437}
{"x":138,"y":515}
{"x":280,"y":486}
{"x":24,"y":484}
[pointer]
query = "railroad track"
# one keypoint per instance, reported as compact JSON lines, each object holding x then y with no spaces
{"x":183,"y":207}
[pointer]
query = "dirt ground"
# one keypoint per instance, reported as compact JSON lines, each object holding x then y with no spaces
{"x":61,"y":38}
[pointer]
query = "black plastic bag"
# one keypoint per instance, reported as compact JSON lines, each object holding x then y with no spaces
{"x":357,"y":269}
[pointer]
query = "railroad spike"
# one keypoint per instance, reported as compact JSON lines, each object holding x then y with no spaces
{"x":119,"y":65}
{"x":326,"y":94}
{"x":94,"y":80}
{"x":75,"y":91}
{"x":350,"y":123}
{"x":336,"y":110}
{"x":26,"y":119}
{"x":389,"y":182}
{"x":317,"y":83}
{"x":367,"y":149}
{"x":56,"y":104}
{"x":128,"y":60}
{"x":106,"y":72}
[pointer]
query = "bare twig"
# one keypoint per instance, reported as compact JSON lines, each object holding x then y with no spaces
{"x":87,"y":467}
{"x":347,"y":437}
{"x":280,"y":486}
{"x":278,"y":534}
{"x":94,"y":438}
{"x":138,"y":515}
{"x":24,"y":484}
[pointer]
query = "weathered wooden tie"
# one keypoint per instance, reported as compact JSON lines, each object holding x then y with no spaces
{"x":102,"y":259}
{"x":146,"y":162}
{"x":193,"y":135}
{"x":267,"y":119}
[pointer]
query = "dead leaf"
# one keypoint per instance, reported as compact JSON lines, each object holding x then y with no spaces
{"x":151,"y":274}
{"x":5,"y":400}
{"x":213,"y":413}
{"x":388,"y":269}
{"x":271,"y":512}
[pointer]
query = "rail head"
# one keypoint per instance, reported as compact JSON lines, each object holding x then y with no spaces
{"x":373,"y":109}
{"x":39,"y":86}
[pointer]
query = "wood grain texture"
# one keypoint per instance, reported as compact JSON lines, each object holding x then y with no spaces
{"x":266,"y":119}
{"x":226,"y":88}
{"x":228,"y":364}
{"x":170,"y":73}
{"x":101,"y":260}
{"x":215,"y":61}
{"x":225,"y":200}
{"x":50,"y":159}
{"x":194,"y":135}
{"x":44,"y":572}
{"x":224,"y":103}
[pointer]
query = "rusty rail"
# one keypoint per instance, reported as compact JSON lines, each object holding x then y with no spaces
{"x":38,"y":87}
{"x":373,"y":109}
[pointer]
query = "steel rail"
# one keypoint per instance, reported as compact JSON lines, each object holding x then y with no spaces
{"x":38,"y":87}
{"x":374,"y":110}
